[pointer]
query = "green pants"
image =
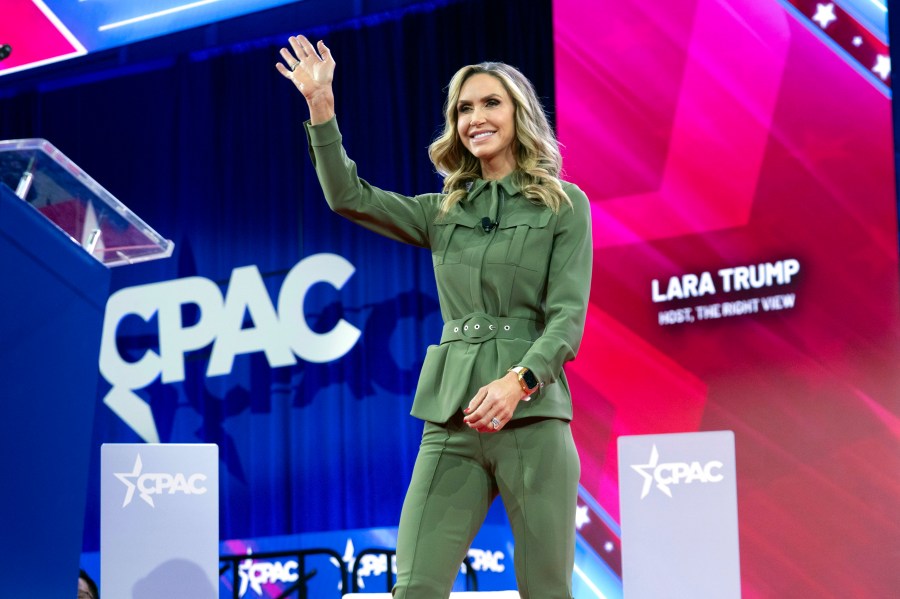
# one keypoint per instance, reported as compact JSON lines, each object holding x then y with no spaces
{"x":534,"y":467}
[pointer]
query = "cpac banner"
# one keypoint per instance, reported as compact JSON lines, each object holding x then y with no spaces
{"x":739,"y":160}
{"x":279,"y":330}
{"x":323,"y":564}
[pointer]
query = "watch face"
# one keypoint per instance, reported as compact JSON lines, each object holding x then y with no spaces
{"x":530,"y":379}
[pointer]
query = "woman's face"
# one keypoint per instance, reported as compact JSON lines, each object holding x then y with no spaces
{"x":486,"y":124}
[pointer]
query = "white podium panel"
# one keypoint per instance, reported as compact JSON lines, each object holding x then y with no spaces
{"x":159,"y":521}
{"x":679,"y":516}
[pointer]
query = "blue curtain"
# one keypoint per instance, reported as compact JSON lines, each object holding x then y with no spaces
{"x":208,"y":147}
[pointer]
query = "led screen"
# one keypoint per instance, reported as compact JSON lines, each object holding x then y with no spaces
{"x":739,"y":160}
{"x":42,"y":32}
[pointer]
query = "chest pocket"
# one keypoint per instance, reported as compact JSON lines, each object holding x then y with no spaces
{"x":523,"y":239}
{"x":452,"y":235}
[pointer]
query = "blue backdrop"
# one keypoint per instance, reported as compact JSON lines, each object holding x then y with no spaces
{"x":207,"y":145}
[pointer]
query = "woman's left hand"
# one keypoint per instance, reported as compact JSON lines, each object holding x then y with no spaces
{"x":498,"y":399}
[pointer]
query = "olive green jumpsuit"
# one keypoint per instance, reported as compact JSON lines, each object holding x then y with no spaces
{"x":516,"y":295}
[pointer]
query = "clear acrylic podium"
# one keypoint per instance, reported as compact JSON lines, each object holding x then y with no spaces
{"x":59,"y":232}
{"x":77,"y":205}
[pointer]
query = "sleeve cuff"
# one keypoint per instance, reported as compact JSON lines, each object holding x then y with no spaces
{"x":323,"y":134}
{"x":538,"y":367}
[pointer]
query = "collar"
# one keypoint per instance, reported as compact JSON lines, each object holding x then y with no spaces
{"x":506,"y":183}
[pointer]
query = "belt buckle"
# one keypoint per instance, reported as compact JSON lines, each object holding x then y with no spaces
{"x":478,"y":327}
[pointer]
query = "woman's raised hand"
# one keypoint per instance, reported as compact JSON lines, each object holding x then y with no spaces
{"x":312,"y":72}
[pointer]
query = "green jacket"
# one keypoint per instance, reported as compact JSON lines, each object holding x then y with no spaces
{"x":514,"y":296}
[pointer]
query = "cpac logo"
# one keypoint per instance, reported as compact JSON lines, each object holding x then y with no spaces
{"x":485,"y":560}
{"x":375,"y":565}
{"x":256,"y":574}
{"x":675,"y":473}
{"x":158,"y":483}
{"x":283,"y":335}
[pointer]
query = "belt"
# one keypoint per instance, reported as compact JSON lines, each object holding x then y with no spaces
{"x":479,"y":327}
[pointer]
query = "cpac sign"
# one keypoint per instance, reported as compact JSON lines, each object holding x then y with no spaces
{"x":485,"y":560}
{"x":675,"y":473}
{"x":148,"y":484}
{"x":282,"y":334}
{"x":256,"y":574}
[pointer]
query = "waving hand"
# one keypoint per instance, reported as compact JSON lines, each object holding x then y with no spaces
{"x":312,"y":72}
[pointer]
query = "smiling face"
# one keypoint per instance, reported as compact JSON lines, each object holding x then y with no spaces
{"x":486,"y":124}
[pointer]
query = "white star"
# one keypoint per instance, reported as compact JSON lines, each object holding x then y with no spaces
{"x":581,"y":516}
{"x":824,"y":14}
{"x":857,"y":41}
{"x":124,"y":476}
{"x":243,"y":573}
{"x":648,"y":476}
{"x":882,"y":66}
{"x":348,"y":558}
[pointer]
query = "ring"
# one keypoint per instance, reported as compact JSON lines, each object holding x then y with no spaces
{"x":495,"y":423}
{"x":294,"y":68}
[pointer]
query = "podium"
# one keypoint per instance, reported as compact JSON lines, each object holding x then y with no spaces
{"x":159,"y":511}
{"x":678,"y":500}
{"x":60,"y":231}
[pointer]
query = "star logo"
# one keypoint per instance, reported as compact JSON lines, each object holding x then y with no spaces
{"x":244,"y":569}
{"x":582,"y":517}
{"x":134,"y":474}
{"x":676,"y":473}
{"x":646,"y":471}
{"x":348,"y":558}
{"x":882,"y":66}
{"x":824,"y":14}
{"x":857,"y":41}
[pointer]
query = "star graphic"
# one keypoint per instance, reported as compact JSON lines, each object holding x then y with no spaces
{"x":857,"y":40}
{"x":582,"y":516}
{"x":882,"y":66}
{"x":824,"y":14}
{"x":244,"y":574}
{"x":124,"y":476}
{"x":648,"y":476}
{"x":348,"y":558}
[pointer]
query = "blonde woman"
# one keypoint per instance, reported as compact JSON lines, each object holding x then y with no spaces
{"x":511,"y":246}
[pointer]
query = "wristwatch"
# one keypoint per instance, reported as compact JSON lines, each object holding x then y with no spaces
{"x":527,"y":381}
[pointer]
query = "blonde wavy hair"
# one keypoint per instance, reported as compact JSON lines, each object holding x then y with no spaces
{"x":538,"y":161}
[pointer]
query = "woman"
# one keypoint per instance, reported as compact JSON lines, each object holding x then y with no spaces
{"x":511,"y":246}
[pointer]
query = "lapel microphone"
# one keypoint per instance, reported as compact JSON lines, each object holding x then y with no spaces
{"x":497,"y":201}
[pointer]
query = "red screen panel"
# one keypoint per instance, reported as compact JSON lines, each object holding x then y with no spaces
{"x":740,"y":169}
